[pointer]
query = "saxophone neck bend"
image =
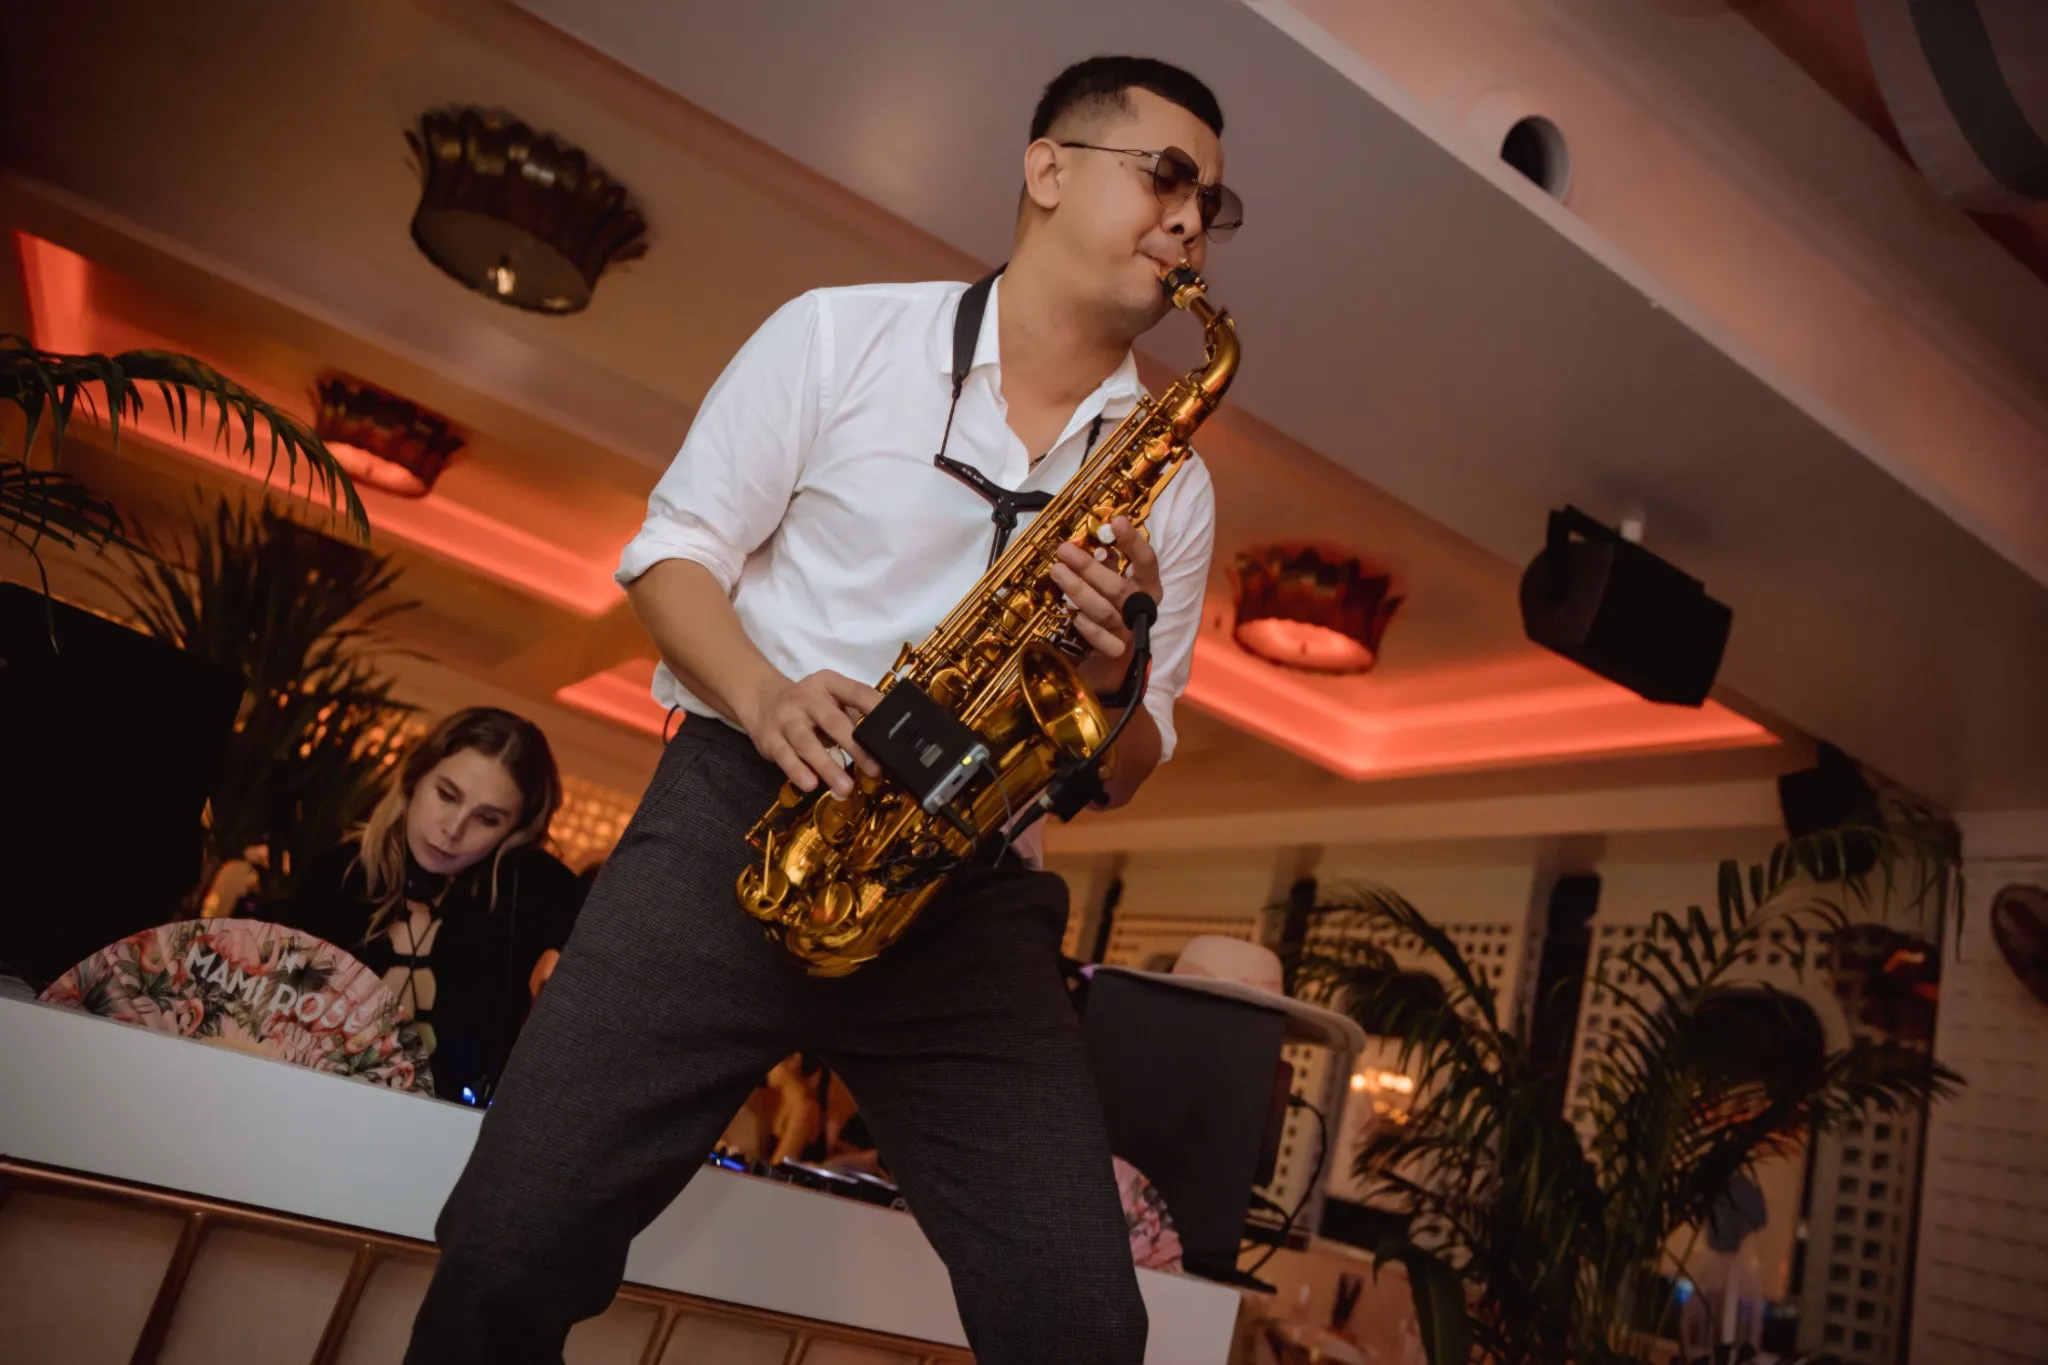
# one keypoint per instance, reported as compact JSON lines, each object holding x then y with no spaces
{"x":1198,"y":394}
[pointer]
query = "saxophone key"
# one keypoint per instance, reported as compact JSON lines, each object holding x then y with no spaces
{"x":837,"y":819}
{"x":834,"y":906}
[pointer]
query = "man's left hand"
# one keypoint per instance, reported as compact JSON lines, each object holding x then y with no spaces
{"x":1098,"y":592}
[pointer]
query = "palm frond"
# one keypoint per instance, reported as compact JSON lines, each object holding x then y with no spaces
{"x":1438,"y":1291}
{"x":39,"y":505}
{"x":48,"y":505}
{"x":1569,"y":1248}
{"x":296,"y":613}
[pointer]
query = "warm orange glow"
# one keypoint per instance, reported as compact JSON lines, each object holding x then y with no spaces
{"x":1304,"y":644}
{"x":476,"y":540}
{"x":622,"y":693}
{"x":1527,"y":708}
{"x":59,"y":285}
{"x":366,"y":467}
{"x":1383,"y":1080}
{"x":63,"y":319}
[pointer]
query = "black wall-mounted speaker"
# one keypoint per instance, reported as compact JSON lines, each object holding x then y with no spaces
{"x":1830,"y":794}
{"x":1615,"y":608}
{"x":1833,"y":795}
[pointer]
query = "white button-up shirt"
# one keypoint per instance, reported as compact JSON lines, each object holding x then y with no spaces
{"x":806,"y":486}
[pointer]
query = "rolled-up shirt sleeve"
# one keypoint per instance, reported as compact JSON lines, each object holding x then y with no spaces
{"x":728,"y":487}
{"x":1184,"y":548}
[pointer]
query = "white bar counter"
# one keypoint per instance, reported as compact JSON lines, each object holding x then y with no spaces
{"x":130,"y":1104}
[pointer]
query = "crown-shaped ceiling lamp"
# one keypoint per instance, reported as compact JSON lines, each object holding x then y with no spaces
{"x":520,"y":216}
{"x":1305,"y":609}
{"x":382,"y":439}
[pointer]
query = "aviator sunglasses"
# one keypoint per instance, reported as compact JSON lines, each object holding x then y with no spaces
{"x":1174,"y":176}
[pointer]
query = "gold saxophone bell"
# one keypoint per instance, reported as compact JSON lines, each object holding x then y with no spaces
{"x":838,"y":881}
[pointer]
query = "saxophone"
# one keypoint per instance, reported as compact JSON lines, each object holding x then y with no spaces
{"x":839,"y":880}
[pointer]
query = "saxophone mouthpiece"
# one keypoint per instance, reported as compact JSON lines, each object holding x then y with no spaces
{"x":1181,"y":283}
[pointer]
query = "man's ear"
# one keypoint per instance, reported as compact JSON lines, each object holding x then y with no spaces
{"x":1043,"y":174}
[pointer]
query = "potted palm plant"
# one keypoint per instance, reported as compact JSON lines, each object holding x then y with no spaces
{"x":1530,"y":1239}
{"x":299,"y":615}
{"x":257,"y":594}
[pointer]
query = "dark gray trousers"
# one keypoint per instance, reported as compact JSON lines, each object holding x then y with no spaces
{"x":668,"y":1007}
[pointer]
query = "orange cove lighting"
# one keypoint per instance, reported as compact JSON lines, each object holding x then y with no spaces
{"x":1529,"y":707}
{"x":61,"y":295}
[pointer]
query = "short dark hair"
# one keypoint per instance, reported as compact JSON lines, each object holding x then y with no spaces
{"x":1099,"y":83}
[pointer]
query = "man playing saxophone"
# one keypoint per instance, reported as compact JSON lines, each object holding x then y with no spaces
{"x":802,"y":536}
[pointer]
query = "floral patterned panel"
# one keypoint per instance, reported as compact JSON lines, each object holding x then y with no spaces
{"x":1154,"y":1243}
{"x":260,"y":987}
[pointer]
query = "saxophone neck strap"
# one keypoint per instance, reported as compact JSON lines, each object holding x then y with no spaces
{"x":966,"y":335}
{"x":967,"y":326}
{"x":1004,"y":504}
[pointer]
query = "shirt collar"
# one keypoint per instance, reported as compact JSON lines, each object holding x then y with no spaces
{"x":1122,"y":381}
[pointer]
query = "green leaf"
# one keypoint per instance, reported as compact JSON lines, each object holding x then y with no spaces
{"x":47,"y":388}
{"x":296,"y":613}
{"x":1438,"y":1292}
{"x":1569,"y":1249}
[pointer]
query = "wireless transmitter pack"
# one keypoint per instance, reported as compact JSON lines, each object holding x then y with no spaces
{"x":921,"y":745}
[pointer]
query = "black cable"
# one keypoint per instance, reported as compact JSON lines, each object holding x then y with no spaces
{"x":1140,"y":611}
{"x":1009,"y":818}
{"x":1309,"y":1190}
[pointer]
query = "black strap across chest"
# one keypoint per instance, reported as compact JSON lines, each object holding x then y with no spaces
{"x":1004,"y":503}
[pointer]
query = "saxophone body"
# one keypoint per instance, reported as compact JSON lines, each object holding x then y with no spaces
{"x":838,"y":881}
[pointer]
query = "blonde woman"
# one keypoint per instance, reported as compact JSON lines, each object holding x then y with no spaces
{"x":447,"y":894}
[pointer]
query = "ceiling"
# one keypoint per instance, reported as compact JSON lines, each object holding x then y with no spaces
{"x":1484,"y":354}
{"x":1458,"y":365}
{"x":1824,"y":38}
{"x":510,"y":558}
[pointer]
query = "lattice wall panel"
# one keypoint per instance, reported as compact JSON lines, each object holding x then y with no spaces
{"x":1493,"y":950}
{"x":1859,"y":1227}
{"x":1773,"y":965}
{"x":1981,"y":1292}
{"x":1866,"y":1182}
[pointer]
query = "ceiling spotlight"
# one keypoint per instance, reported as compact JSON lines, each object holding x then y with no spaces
{"x":1603,"y":601}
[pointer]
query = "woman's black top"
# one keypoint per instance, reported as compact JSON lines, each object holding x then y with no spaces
{"x":481,"y":955}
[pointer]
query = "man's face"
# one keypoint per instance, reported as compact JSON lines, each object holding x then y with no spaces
{"x":1110,"y":218}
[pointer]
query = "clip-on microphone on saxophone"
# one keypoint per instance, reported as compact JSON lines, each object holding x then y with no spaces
{"x":1077,"y":783}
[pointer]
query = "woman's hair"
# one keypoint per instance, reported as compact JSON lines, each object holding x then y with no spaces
{"x":515,"y":742}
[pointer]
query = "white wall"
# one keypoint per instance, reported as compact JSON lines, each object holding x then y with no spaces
{"x":1981,"y":1284}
